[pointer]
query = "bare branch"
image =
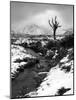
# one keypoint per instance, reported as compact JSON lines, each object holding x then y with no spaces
{"x":55,"y":18}
{"x":58,"y":23}
{"x":50,"y":23}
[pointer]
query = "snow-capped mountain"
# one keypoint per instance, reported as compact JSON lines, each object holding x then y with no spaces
{"x":34,"y":30}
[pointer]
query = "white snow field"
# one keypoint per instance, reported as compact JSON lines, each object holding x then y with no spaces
{"x":56,"y":79}
{"x":18,"y":52}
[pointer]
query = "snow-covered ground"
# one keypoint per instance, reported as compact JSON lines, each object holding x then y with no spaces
{"x":57,"y":78}
{"x":18,"y":52}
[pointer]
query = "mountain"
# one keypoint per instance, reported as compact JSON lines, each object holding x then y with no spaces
{"x":35,"y":30}
{"x":69,"y":31}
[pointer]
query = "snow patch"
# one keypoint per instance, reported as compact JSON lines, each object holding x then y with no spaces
{"x":55,"y":80}
{"x":65,"y":59}
{"x":18,"y":52}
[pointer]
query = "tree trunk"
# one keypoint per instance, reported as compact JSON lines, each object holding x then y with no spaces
{"x":54,"y":34}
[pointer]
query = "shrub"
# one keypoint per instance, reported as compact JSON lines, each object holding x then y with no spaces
{"x":37,"y":47}
{"x":61,"y":53}
{"x":13,"y":41}
{"x":68,"y":41}
{"x":53,"y":43}
{"x":49,"y":54}
{"x":25,"y":45}
{"x":62,"y":90}
{"x":34,"y":47}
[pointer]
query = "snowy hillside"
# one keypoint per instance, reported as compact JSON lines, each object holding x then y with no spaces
{"x":59,"y":78}
{"x":18,"y":52}
{"x":42,"y":67}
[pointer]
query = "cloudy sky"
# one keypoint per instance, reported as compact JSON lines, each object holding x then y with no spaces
{"x":23,"y":14}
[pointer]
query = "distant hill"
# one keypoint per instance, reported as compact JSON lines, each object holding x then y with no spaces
{"x":69,"y":31}
{"x":31,"y":31}
{"x":35,"y":30}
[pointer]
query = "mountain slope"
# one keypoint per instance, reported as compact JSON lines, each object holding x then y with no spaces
{"x":34,"y":30}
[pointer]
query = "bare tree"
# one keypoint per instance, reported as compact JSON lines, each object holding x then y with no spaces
{"x":54,"y":25}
